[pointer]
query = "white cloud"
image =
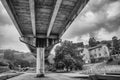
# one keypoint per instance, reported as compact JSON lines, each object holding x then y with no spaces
{"x":9,"y":39}
{"x":105,"y":35}
{"x":101,"y":16}
{"x":113,"y":10}
{"x":9,"y":36}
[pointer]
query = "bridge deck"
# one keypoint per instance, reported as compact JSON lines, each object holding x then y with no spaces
{"x":43,"y":18}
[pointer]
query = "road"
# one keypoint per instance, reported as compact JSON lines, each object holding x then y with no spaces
{"x":48,"y":76}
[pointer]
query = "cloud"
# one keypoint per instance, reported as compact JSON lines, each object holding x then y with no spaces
{"x":105,"y":35}
{"x":9,"y":36}
{"x":97,"y":15}
{"x":9,"y":39}
{"x":100,"y":18}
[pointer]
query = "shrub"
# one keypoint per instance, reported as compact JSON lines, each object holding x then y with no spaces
{"x":109,"y":60}
{"x":3,"y":64}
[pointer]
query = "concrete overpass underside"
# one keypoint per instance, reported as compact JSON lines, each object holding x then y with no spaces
{"x":41,"y":23}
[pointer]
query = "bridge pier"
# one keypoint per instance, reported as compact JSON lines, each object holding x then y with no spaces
{"x":40,"y":71}
{"x":39,"y":45}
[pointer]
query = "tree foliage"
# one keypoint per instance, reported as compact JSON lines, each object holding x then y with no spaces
{"x":67,"y":55}
{"x":14,"y":59}
{"x":108,"y":43}
{"x":92,"y":42}
{"x":3,"y":64}
{"x":9,"y":55}
{"x":115,"y":45}
{"x":23,"y":63}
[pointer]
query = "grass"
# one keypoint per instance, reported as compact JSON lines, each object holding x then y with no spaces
{"x":3,"y":69}
{"x":9,"y":75}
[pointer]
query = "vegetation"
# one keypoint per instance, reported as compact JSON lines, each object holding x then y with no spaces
{"x":115,"y":45}
{"x":12,"y":59}
{"x":3,"y":64}
{"x":67,"y":57}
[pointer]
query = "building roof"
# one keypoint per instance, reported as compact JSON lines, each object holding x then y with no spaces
{"x":95,"y":47}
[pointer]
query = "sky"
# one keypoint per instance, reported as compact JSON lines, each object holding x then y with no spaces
{"x":9,"y":36}
{"x":100,"y":19}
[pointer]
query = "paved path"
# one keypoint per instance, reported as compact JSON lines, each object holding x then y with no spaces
{"x":29,"y":76}
{"x":49,"y":76}
{"x":78,"y":75}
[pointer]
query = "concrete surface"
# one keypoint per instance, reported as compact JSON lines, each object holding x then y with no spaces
{"x":48,"y":76}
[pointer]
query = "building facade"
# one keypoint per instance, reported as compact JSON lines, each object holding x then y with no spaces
{"x":85,"y":53}
{"x":98,"y":52}
{"x":94,"y":54}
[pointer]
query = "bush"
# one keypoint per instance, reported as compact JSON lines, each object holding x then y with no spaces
{"x":11,"y":65}
{"x":118,"y":62}
{"x":23,"y":63}
{"x":3,"y":64}
{"x":110,"y":60}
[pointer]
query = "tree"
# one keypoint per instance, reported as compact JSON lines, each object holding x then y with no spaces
{"x":3,"y":64}
{"x":14,"y":59}
{"x":69,"y":61}
{"x":78,"y":65}
{"x":116,"y":45}
{"x":80,"y":44}
{"x":92,"y":42}
{"x":9,"y":55}
{"x":67,"y":54}
{"x":60,"y":65}
{"x":23,"y":63}
{"x":108,"y":43}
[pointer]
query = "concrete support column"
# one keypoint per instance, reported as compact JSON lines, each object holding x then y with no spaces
{"x":53,"y":41}
{"x":47,"y":42}
{"x":40,"y":62}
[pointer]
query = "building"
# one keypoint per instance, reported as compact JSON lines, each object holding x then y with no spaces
{"x":95,"y":54}
{"x":98,"y":52}
{"x":83,"y":51}
{"x":86,"y":56}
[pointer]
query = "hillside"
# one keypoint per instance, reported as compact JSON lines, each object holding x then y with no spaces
{"x":25,"y":56}
{"x":12,"y":56}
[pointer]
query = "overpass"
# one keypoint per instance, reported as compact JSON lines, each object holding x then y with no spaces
{"x":41,"y":23}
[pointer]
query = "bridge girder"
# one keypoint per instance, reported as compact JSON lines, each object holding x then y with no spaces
{"x":43,"y":19}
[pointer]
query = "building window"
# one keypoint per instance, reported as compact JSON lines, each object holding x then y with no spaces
{"x":99,"y":54}
{"x":91,"y":56}
{"x":105,"y":53}
{"x":95,"y":50}
{"x":95,"y":55}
